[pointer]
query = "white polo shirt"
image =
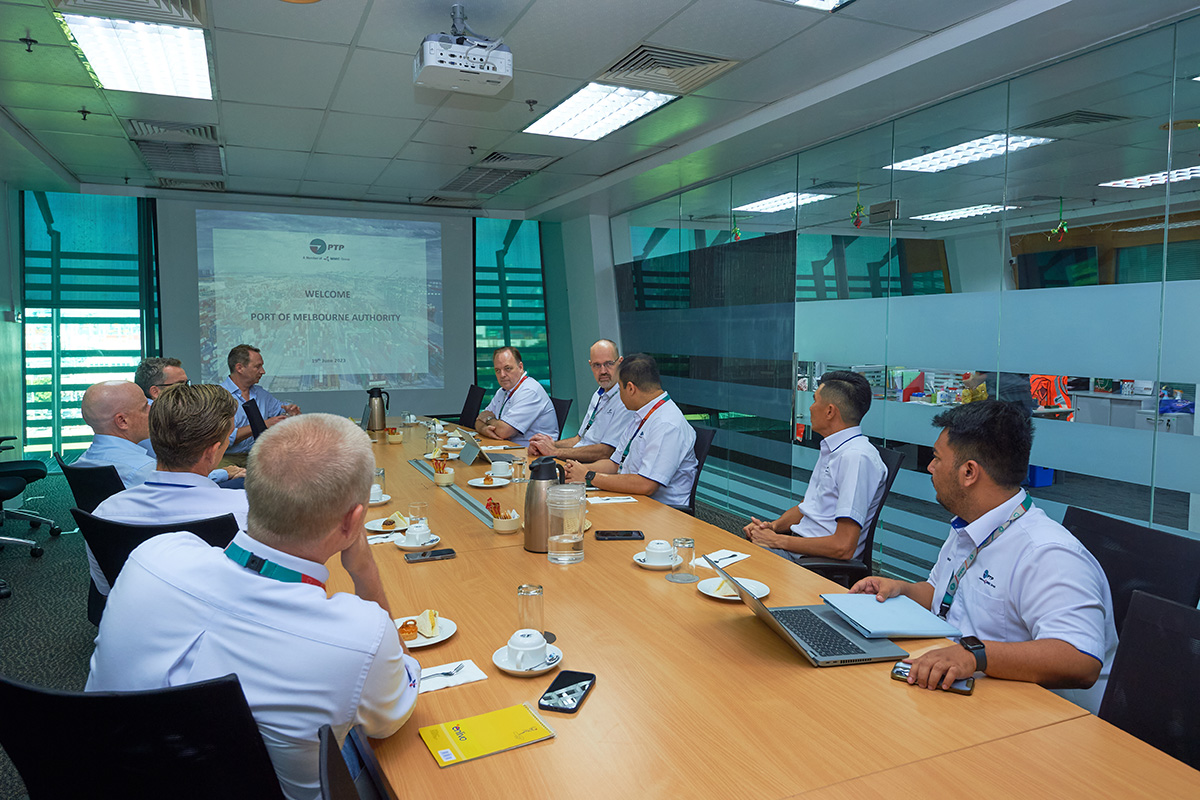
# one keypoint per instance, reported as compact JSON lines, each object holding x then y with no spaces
{"x":184,"y":612}
{"x":168,"y":497}
{"x":847,"y":481}
{"x":1034,"y":581}
{"x":663,"y":450}
{"x":606,"y":415}
{"x":527,"y":408}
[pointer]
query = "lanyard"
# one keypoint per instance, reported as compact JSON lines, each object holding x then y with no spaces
{"x":604,"y":398}
{"x":839,"y":447}
{"x":952,"y":588}
{"x":268,"y":569}
{"x":170,"y":485}
{"x":508,"y":396}
{"x":625,"y":455}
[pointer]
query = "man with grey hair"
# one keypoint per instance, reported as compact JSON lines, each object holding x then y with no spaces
{"x":156,"y":373}
{"x":259,"y":607}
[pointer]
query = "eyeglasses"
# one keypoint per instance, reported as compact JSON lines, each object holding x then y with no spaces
{"x":176,"y":383}
{"x":602,"y":364}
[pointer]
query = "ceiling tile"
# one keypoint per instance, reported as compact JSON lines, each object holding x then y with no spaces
{"x":399,"y":27}
{"x":278,"y":186}
{"x":600,"y":158}
{"x":380,"y":84}
{"x":317,"y":22}
{"x":719,"y":28}
{"x":680,"y":120}
{"x":922,"y":15}
{"x":161,"y":107}
{"x":343,"y":169}
{"x":33,"y":21}
{"x":27,"y":94}
{"x":49,"y":64}
{"x":536,"y":144}
{"x":79,"y":151}
{"x":68,"y":122}
{"x":329,"y":189}
{"x":262,"y":163}
{"x":418,"y":174}
{"x":249,"y":68}
{"x":461,"y":135}
{"x":420,"y":151}
{"x":270,"y":127}
{"x":362,"y":135}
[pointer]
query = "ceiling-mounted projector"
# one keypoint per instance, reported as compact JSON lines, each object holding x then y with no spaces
{"x":462,"y":60}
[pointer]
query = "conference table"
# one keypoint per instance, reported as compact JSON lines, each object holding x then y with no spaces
{"x":694,"y":697}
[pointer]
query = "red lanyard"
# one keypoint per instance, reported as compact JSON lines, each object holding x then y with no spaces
{"x":508,"y":396}
{"x":625,"y":455}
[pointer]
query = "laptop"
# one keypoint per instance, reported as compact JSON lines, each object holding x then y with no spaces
{"x":255,"y":418}
{"x":818,"y":632}
{"x":471,"y":451}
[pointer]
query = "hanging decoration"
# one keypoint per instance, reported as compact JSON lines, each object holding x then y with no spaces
{"x":736,"y":233}
{"x":1060,"y":229}
{"x":859,"y":211}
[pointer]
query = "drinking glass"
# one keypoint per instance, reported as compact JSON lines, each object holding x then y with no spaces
{"x":418,"y":511}
{"x":566,"y":508}
{"x":378,"y":478}
{"x":683,"y":571}
{"x":530,"y":607}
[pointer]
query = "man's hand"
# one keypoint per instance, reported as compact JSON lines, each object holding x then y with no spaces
{"x":762,"y":534}
{"x":235,"y":472}
{"x":291,"y":409}
{"x":882,"y":588}
{"x":541,"y":445}
{"x":275,"y":420}
{"x":576,"y":472}
{"x":939,"y":669}
{"x":359,"y":563}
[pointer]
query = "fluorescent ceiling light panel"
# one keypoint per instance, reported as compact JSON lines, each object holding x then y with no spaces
{"x":968,"y":152}
{"x":597,"y":110}
{"x":821,"y":5}
{"x":1156,"y":179}
{"x":146,"y":57}
{"x":782,"y":201}
{"x":1190,"y":223}
{"x":963,"y":213}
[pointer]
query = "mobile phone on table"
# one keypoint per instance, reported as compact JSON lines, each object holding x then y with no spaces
{"x":962,"y":686}
{"x":430,"y":555}
{"x":612,"y":536}
{"x":567,"y":692}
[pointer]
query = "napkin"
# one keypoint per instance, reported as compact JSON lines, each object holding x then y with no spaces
{"x":469,"y":674}
{"x":383,"y":538}
{"x":723,"y":558}
{"x":625,"y":499}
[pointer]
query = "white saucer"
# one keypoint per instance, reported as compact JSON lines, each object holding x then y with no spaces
{"x":453,"y":448}
{"x":417,"y":548}
{"x":377,"y":525}
{"x":499,"y":477}
{"x":387,"y":498}
{"x":500,"y":659}
{"x":449,"y":456}
{"x":639,"y":558}
{"x":757,"y":588}
{"x":446,"y":629}
{"x":496,"y":483}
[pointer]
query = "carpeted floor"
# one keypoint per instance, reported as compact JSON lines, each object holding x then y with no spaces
{"x":45,"y":637}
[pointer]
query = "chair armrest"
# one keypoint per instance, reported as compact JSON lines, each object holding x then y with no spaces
{"x":852,"y":569}
{"x":7,"y":438}
{"x":4,"y":447}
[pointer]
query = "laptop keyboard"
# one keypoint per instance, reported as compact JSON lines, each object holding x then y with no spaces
{"x":816,"y":632}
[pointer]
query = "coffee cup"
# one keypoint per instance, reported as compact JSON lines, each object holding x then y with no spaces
{"x":659,"y":552}
{"x":440,"y":428}
{"x":502,"y":469}
{"x":454,"y":441}
{"x":417,"y":534}
{"x":376,"y":493}
{"x":526,"y":649}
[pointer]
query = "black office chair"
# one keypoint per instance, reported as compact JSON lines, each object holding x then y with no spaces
{"x":704,"y":440}
{"x":112,"y":542}
{"x":471,"y":406}
{"x":847,"y":572}
{"x":1136,"y":557}
{"x":351,"y":773}
{"x":192,"y":742}
{"x":561,"y":409}
{"x":28,"y":471}
{"x":1151,"y":691}
{"x":90,"y":486}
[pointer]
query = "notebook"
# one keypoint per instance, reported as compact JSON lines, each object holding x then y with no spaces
{"x":895,"y":617}
{"x":818,"y":632}
{"x":471,"y":451}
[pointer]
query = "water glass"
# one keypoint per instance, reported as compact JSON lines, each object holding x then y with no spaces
{"x":518,"y":472}
{"x":418,"y":511}
{"x":378,"y":478}
{"x":566,"y":507}
{"x":683,"y":571}
{"x":530,"y":607}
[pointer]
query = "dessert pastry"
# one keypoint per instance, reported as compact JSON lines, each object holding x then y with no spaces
{"x":487,"y":480}
{"x":408,"y":630}
{"x":388,"y":524}
{"x":725,"y":589}
{"x":427,"y":623}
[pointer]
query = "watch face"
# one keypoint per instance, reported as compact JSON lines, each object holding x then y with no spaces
{"x":971,"y":643}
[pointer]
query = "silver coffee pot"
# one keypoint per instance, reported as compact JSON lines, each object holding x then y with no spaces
{"x":544,"y":472}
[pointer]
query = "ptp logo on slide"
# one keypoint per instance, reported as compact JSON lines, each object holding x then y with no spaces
{"x":318,"y":246}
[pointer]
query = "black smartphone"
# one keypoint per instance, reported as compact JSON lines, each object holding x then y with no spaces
{"x":964,"y":686}
{"x":430,"y":555}
{"x":612,"y":536}
{"x":567,"y":692}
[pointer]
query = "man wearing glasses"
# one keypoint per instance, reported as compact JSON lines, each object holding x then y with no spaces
{"x":605,"y":413}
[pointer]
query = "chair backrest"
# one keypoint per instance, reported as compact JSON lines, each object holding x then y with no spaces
{"x":1151,"y":692}
{"x":112,"y":542}
{"x":471,"y":406}
{"x":704,"y":440}
{"x":892,"y":459}
{"x":184,"y":742}
{"x":561,"y":409}
{"x":254,"y":417}
{"x":91,"y":486}
{"x":351,"y":773}
{"x":1136,"y":557}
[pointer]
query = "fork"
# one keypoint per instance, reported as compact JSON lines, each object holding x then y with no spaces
{"x":447,"y":673}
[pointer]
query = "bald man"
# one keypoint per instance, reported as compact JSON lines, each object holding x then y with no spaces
{"x":118,"y":413}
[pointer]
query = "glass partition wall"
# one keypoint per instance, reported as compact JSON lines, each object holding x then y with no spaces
{"x":1037,"y":240}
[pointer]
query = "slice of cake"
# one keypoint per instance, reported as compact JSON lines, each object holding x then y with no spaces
{"x":427,"y":623}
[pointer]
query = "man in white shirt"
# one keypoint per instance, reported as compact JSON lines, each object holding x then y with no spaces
{"x":118,"y":413}
{"x":605,"y":413}
{"x":655,"y":455}
{"x":1031,"y":601}
{"x":189,"y":427}
{"x":846,"y":488}
{"x":259,"y":608}
{"x":245,"y":371}
{"x":521,"y":408}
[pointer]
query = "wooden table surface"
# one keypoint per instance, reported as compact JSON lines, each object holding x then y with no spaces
{"x":694,"y":697}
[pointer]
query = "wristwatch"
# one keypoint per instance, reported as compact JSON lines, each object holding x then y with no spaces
{"x":587,"y":479}
{"x":975,"y":647}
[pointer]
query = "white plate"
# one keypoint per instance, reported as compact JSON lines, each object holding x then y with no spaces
{"x":387,"y":498}
{"x":757,"y":588}
{"x":640,"y":559}
{"x":500,"y":659}
{"x":496,"y":483}
{"x":377,"y":525}
{"x":446,"y":629}
{"x":417,"y":548}
{"x":498,"y":476}
{"x":452,"y":448}
{"x":449,"y":456}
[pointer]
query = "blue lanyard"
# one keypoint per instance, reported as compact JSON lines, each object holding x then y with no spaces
{"x":952,"y":587}
{"x":603,"y":399}
{"x":268,"y":569}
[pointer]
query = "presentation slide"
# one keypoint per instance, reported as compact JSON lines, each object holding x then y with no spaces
{"x":334,"y":303}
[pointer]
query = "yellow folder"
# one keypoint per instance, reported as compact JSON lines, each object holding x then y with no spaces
{"x":484,"y":734}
